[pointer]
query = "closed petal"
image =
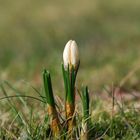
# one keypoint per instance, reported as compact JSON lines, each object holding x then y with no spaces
{"x":74,"y":54}
{"x":66,"y":54}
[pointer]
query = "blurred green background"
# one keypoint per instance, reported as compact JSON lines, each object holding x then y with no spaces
{"x":33,"y":35}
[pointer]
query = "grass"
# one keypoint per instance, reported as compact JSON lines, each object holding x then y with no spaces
{"x":28,"y":119}
{"x":33,"y":35}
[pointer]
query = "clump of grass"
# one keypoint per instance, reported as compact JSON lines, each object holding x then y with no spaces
{"x":73,"y":125}
{"x":123,"y":125}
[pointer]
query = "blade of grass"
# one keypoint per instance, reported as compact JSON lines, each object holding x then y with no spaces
{"x":14,"y":110}
{"x":24,"y":96}
{"x":17,"y":93}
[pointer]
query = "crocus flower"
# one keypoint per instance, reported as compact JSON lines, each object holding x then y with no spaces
{"x":71,"y":55}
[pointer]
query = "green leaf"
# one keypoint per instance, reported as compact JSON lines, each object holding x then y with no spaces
{"x":73,"y":77}
{"x":48,"y":88}
{"x":85,"y":102}
{"x":69,"y":96}
{"x":65,"y":80}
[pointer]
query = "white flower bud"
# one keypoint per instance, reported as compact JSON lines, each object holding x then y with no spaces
{"x":71,"y":55}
